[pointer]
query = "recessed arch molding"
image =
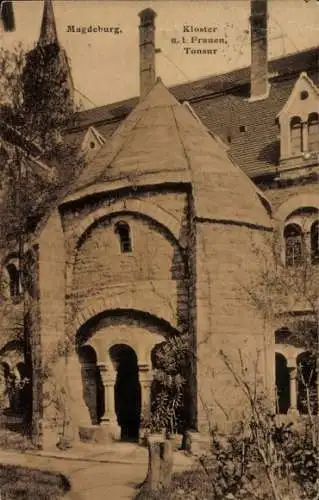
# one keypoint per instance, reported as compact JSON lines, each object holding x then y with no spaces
{"x":139,"y":206}
{"x":90,"y":318}
{"x":294,"y":203}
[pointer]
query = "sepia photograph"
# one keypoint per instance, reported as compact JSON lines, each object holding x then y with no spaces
{"x":159,"y":249}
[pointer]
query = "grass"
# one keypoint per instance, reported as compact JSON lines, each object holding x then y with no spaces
{"x":23,"y":483}
{"x":189,"y":485}
{"x":14,"y":440}
{"x":198,"y":484}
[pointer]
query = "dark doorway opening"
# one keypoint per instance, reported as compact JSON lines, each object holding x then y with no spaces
{"x":127,"y":391}
{"x":282,"y":384}
{"x":23,"y":397}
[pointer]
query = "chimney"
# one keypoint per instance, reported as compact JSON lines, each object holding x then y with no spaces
{"x":6,"y":16}
{"x":259,"y":86}
{"x":147,"y":50}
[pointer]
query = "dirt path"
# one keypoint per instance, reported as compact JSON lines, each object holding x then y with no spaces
{"x":106,"y":481}
{"x":95,"y":473}
{"x":91,"y":478}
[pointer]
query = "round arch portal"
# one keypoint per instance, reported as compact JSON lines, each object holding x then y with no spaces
{"x":127,"y":391}
{"x":116,"y":348}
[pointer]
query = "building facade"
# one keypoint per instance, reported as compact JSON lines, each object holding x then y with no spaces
{"x":165,"y":232}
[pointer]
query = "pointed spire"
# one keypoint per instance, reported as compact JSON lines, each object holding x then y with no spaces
{"x":48,"y":33}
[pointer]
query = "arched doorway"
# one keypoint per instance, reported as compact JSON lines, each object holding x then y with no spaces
{"x":282,"y":384}
{"x":93,"y":390}
{"x":127,"y":391}
{"x":23,"y":396}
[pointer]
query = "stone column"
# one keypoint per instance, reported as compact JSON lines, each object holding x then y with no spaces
{"x":304,"y":132}
{"x":293,"y":391}
{"x":145,"y":378}
{"x":109,"y":424}
{"x":108,"y":376}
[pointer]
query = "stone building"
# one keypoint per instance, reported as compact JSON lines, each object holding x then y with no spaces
{"x":164,"y":232}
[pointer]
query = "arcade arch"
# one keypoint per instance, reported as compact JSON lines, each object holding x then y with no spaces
{"x":115,"y":352}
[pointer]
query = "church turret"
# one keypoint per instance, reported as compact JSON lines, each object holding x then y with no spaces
{"x":48,"y":32}
{"x":47,"y":59}
{"x":48,"y":91}
{"x":49,"y":37}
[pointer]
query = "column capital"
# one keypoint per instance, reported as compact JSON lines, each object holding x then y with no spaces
{"x":107,"y":372}
{"x":144,"y":367}
{"x":292,"y":371}
{"x":145,"y":374}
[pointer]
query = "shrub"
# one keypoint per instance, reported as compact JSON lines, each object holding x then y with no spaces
{"x":234,"y":470}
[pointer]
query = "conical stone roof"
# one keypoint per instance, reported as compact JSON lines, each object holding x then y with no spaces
{"x":161,"y":141}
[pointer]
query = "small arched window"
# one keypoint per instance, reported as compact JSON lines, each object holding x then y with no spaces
{"x":314,"y":236}
{"x":296,"y":139}
{"x":14,"y":280}
{"x":293,"y":245}
{"x":313,"y":132}
{"x":122,"y":229}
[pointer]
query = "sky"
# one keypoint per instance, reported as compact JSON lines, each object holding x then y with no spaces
{"x":105,"y":66}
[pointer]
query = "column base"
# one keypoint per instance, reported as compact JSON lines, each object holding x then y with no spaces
{"x":197,"y":443}
{"x":106,"y":433}
{"x":112,"y":427}
{"x":293,"y":413}
{"x":49,"y":437}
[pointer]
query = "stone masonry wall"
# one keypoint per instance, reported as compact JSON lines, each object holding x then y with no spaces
{"x":150,"y":277}
{"x":227,"y":320}
{"x":281,"y":195}
{"x":52,"y":263}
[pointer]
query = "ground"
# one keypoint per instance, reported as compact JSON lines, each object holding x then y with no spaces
{"x":96,"y":470}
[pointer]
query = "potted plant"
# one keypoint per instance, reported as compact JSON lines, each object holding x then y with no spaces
{"x":170,"y":361}
{"x":168,"y":399}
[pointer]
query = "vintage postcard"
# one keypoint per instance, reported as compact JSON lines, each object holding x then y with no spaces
{"x":159,"y":249}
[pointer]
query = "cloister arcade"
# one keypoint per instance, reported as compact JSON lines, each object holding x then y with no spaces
{"x":116,"y":358}
{"x":296,"y":381}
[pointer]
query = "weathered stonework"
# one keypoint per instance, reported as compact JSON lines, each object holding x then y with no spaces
{"x":195,"y":228}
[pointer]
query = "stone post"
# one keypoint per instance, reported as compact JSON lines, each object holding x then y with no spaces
{"x":160,"y":463}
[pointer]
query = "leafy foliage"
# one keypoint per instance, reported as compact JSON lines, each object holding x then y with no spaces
{"x":273,"y":445}
{"x":279,"y":292}
{"x":36,"y":98}
{"x":234,"y":469}
{"x":37,"y":165}
{"x":45,"y":82}
{"x":169,"y":383}
{"x":36,"y":104}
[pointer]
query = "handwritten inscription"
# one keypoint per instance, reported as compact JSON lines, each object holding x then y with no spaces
{"x":194,"y":40}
